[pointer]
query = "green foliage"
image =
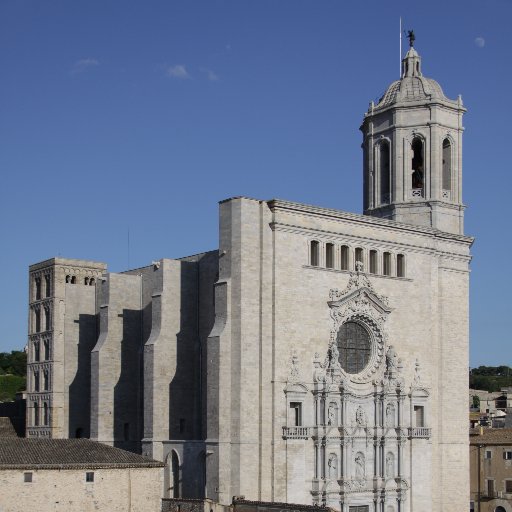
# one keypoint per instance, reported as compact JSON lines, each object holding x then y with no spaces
{"x":14,"y":363}
{"x":10,"y":385}
{"x":476,"y":401}
{"x":490,"y":378}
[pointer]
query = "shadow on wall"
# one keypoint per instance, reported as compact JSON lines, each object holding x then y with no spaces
{"x":79,"y":398}
{"x":128,"y":392}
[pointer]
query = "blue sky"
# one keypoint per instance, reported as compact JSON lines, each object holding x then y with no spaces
{"x":141,"y":116}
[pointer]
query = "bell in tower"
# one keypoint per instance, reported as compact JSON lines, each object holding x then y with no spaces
{"x":412,"y":145}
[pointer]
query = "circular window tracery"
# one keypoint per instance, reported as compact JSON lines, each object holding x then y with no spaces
{"x":354,"y":347}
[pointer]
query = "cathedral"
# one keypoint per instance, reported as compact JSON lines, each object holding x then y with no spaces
{"x":316,"y":357}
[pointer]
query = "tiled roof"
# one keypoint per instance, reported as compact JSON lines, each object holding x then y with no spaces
{"x":7,"y":428}
{"x":67,"y":454}
{"x":491,"y":436}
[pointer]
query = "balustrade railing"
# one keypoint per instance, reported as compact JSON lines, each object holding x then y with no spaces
{"x":296,"y":432}
{"x":420,"y":432}
{"x":417,"y":192}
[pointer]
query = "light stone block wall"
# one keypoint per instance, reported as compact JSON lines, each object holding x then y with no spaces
{"x":113,"y":490}
{"x":116,"y":391}
{"x":271,"y":302}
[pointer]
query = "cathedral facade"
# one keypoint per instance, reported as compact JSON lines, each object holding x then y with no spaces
{"x":316,"y":357}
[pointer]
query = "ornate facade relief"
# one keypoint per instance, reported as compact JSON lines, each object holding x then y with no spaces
{"x":361,"y":420}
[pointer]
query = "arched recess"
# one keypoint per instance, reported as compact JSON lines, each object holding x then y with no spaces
{"x":417,"y":166}
{"x":385,"y":172}
{"x":172,"y":476}
{"x":447,"y":166}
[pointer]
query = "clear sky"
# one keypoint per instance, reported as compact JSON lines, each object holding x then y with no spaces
{"x":120,"y":116}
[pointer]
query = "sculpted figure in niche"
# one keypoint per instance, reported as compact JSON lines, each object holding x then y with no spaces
{"x":391,"y":359}
{"x":390,"y":465}
{"x":390,"y":415}
{"x":360,"y":466}
{"x":360,"y":417}
{"x":331,"y":415}
{"x":333,"y":466}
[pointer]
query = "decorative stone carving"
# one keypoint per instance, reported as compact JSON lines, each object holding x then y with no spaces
{"x":360,"y":465}
{"x":294,"y":371}
{"x":333,"y":466}
{"x":390,"y":415}
{"x":361,"y":420}
{"x":390,"y":465}
{"x":359,"y":303}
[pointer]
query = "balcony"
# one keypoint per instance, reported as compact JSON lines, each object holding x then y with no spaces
{"x":420,"y":432}
{"x":296,"y":432}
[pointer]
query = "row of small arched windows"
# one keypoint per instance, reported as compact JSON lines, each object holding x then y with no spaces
{"x":41,"y":384}
{"x":331,"y":256}
{"x":38,"y":284}
{"x":45,"y":419}
{"x":417,"y":169}
{"x":37,"y":324}
{"x":37,"y":351}
{"x":88,"y":281}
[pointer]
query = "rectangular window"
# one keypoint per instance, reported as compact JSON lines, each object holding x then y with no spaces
{"x":27,"y":477}
{"x":329,"y":255}
{"x":314,"y":253}
{"x":490,"y":488}
{"x":47,"y":287}
{"x":373,"y":262}
{"x":344,"y":257}
{"x":358,"y":256}
{"x":400,"y":265}
{"x":508,"y":486}
{"x":89,"y":476}
{"x":488,"y":454}
{"x":419,"y":416}
{"x":507,"y":455}
{"x":386,"y":264}
{"x":296,"y":414}
{"x":359,"y":508}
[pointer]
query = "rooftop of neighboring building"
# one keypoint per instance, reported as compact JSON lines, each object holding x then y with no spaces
{"x":490,"y":436}
{"x":17,"y":453}
{"x":7,"y":429}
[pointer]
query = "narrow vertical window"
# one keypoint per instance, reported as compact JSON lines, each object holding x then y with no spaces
{"x":373,"y":261}
{"x":89,"y":476}
{"x":46,"y":345}
{"x":36,"y":414}
{"x":37,"y":351}
{"x":126,"y":432}
{"x":36,"y":381}
{"x":384,"y":173}
{"x":86,"y":281}
{"x":358,"y":257}
{"x":386,"y":264}
{"x":47,"y":285}
{"x":91,"y":281}
{"x":447,"y":169}
{"x":344,"y":257}
{"x":418,"y":167}
{"x":45,"y":380}
{"x":73,"y":279}
{"x":68,"y":279}
{"x":329,"y":255}
{"x":38,"y":288}
{"x":400,"y":265}
{"x":47,"y":319}
{"x":46,"y":419}
{"x":296,"y":414}
{"x":37,"y":314}
{"x":419,"y":416}
{"x":314,"y":256}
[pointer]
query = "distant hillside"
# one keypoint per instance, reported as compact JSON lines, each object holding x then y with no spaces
{"x":13,"y":369}
{"x":490,"y":378}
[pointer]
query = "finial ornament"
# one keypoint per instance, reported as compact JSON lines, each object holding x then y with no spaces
{"x":411,"y":37}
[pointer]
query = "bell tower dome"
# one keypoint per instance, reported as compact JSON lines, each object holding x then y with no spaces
{"x":412,"y":147}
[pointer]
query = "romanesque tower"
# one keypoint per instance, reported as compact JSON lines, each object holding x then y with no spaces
{"x":62,"y":331}
{"x":412,"y":146}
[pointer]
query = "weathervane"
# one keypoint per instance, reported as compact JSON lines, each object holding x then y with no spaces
{"x":411,"y":37}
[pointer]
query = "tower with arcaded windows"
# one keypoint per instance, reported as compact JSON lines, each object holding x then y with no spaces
{"x":62,"y":332}
{"x":412,"y":144}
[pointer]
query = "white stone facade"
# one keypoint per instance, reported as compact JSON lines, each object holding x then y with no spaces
{"x":319,"y":356}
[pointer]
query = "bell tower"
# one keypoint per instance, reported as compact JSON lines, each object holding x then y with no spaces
{"x":412,"y":147}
